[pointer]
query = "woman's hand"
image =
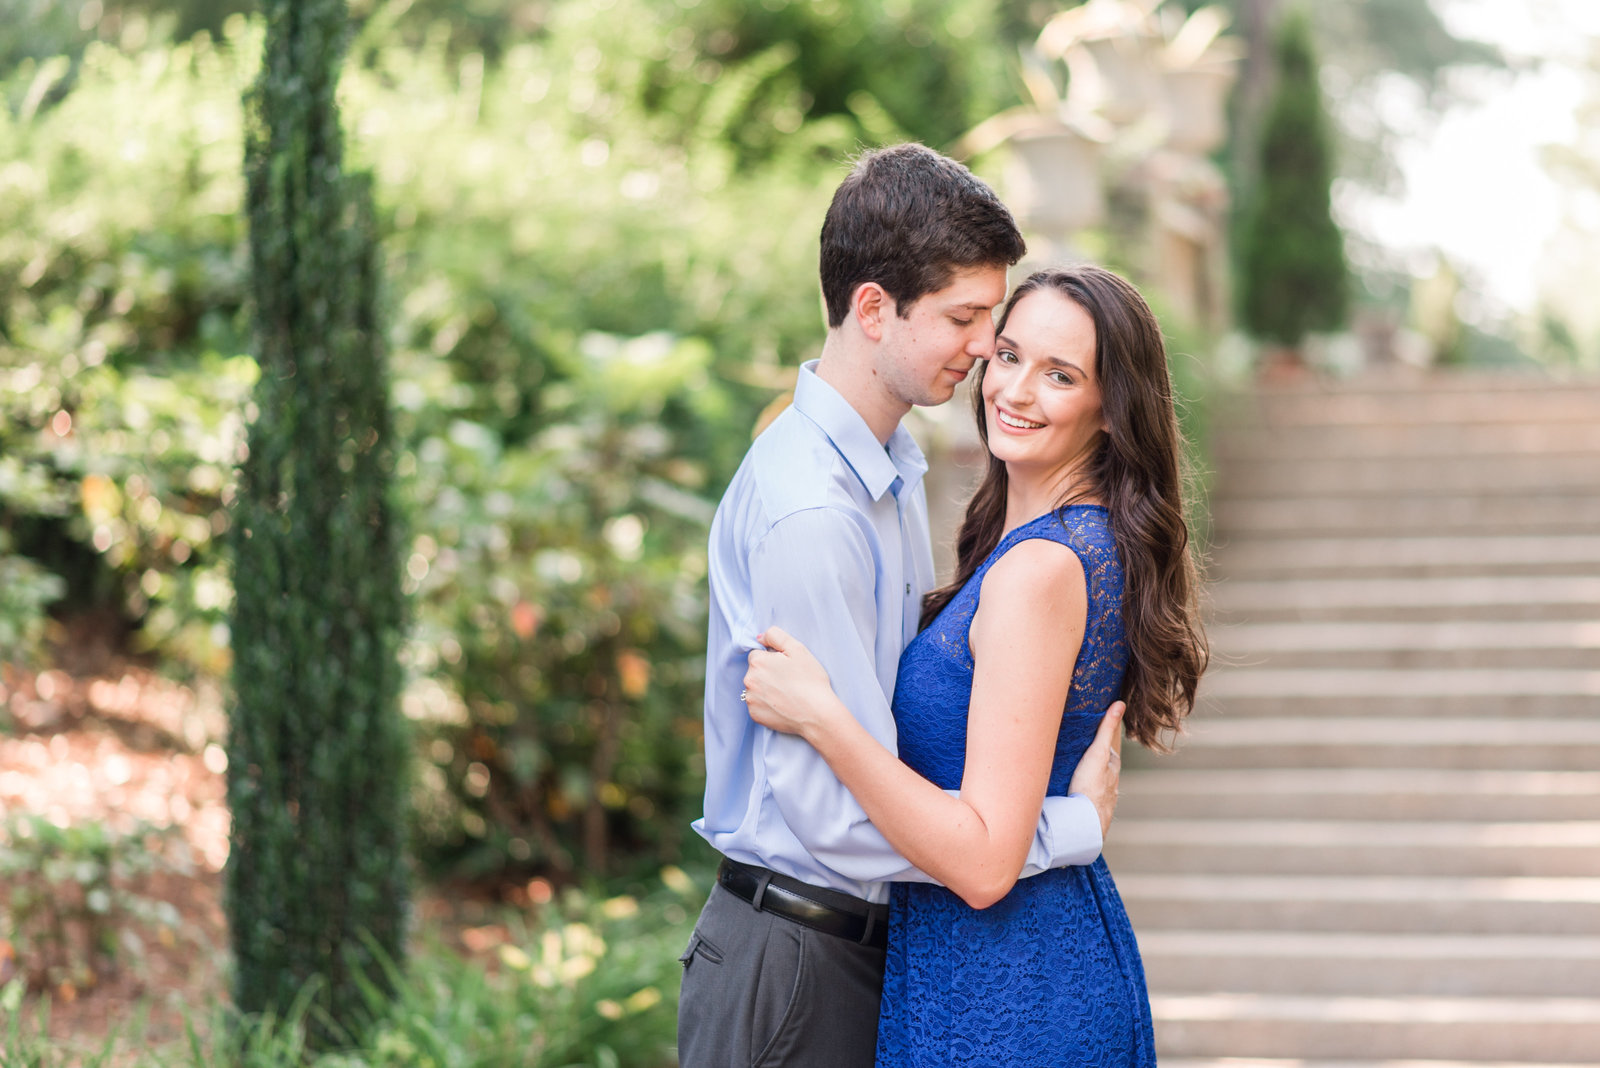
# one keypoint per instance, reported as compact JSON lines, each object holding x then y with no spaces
{"x":787,"y":689}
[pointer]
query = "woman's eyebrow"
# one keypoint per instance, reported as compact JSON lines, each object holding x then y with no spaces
{"x":1057,"y":361}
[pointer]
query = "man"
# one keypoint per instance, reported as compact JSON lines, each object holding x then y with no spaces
{"x":824,"y":531}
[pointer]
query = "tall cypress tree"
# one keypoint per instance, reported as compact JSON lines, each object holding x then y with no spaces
{"x":317,"y":749}
{"x":1292,"y":270}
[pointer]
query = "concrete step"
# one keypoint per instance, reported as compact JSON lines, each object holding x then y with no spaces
{"x":1357,"y":411}
{"x":1300,"y":1062}
{"x":1422,"y":707}
{"x":1542,"y":744}
{"x":1560,"y":1030}
{"x":1347,"y":902}
{"x":1258,"y":600}
{"x":1247,"y":558}
{"x":1397,"y":380}
{"x":1408,"y":645}
{"x":1247,"y":441}
{"x":1224,"y":683}
{"x":1347,"y":963}
{"x":1527,"y":511}
{"x":1369,"y":847}
{"x":1575,"y":610}
{"x":1439,"y":636}
{"x":1360,"y":794}
{"x":1379,"y":845}
{"x":1268,"y":475}
{"x":1223,"y":656}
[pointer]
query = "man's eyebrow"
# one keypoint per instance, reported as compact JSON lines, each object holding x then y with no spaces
{"x":1055,"y":360}
{"x":977,"y":305}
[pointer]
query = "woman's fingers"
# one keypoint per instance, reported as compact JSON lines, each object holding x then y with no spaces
{"x":774,"y":638}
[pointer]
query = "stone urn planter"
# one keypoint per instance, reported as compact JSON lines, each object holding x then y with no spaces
{"x":1053,"y":183}
{"x":1117,"y":77}
{"x":1196,"y":101}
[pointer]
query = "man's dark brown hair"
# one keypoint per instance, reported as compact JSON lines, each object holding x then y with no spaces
{"x":908,"y":218}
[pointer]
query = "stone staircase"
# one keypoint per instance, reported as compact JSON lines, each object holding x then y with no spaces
{"x":1379,"y":846}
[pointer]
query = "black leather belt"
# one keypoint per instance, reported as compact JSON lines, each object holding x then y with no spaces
{"x":778,"y":894}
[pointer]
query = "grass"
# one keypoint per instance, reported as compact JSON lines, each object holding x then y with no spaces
{"x":586,"y":981}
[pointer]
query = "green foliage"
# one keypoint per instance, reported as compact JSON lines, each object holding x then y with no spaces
{"x":35,"y":30}
{"x":72,"y":912}
{"x":26,"y":590}
{"x":1293,"y":278}
{"x":1405,"y":37}
{"x":593,"y":982}
{"x":121,"y":275}
{"x":596,"y":296}
{"x":564,"y":584}
{"x":601,"y":266}
{"x":317,"y":750}
{"x":532,"y":308}
{"x":926,"y":70}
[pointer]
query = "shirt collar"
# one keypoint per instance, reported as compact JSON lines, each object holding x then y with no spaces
{"x":876,"y":467}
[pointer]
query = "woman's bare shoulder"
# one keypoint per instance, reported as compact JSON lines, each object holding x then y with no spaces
{"x":1036,"y":577}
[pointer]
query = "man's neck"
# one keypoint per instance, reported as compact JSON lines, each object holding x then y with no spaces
{"x":851,"y":374}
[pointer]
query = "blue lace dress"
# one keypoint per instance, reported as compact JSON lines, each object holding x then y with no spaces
{"x":1049,"y":975}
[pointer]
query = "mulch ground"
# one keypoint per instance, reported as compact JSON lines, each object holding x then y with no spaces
{"x":131,"y":749}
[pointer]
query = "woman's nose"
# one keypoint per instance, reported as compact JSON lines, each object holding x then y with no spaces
{"x":1015,"y":391}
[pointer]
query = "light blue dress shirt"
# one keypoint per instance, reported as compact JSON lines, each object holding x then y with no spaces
{"x":824,"y":532}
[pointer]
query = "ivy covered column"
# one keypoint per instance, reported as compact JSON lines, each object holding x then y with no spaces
{"x":317,"y":749}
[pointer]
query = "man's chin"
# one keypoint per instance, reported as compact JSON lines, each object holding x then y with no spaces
{"x":937,"y":394}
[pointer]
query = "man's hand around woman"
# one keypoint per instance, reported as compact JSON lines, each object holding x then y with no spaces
{"x":1098,"y":773}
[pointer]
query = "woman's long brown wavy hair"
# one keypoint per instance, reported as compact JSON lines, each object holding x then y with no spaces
{"x":1137,"y":473}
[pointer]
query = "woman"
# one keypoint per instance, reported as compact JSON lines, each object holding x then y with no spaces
{"x":1074,"y":587}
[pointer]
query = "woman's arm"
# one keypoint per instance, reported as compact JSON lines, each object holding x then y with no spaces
{"x":1025,"y":638}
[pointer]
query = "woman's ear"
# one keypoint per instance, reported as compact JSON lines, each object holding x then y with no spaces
{"x":871,"y":305}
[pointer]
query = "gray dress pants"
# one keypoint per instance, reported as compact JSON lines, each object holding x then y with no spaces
{"x":759,"y":989}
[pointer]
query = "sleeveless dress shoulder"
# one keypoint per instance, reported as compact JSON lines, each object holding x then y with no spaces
{"x":1049,"y":975}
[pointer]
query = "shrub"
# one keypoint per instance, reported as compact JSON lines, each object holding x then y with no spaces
{"x":587,"y":979}
{"x":593,"y":297}
{"x":73,"y":911}
{"x":1293,"y":278}
{"x":317,"y":750}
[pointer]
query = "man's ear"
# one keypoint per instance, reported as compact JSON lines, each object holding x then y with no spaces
{"x":871,"y":305}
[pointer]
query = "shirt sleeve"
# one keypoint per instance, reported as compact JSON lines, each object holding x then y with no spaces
{"x":813,"y":574}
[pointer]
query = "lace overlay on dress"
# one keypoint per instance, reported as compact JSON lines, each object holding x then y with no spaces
{"x":1050,"y":975}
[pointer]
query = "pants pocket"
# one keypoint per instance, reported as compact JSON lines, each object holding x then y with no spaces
{"x":701,"y":948}
{"x":779,"y":1005}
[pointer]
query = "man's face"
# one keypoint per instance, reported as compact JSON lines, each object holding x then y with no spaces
{"x":930,"y":352}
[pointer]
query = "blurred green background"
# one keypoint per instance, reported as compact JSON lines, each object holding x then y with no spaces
{"x":599,"y":222}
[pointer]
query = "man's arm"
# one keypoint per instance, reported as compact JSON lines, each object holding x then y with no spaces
{"x":813,"y":575}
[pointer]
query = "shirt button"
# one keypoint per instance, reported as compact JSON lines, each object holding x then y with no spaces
{"x":908,"y":589}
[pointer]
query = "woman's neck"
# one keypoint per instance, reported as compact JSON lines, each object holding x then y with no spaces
{"x":1031,"y":493}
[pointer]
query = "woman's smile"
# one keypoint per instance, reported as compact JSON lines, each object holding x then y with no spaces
{"x":1013,"y":421}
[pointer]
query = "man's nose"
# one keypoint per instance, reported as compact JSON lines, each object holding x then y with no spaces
{"x":981,"y":345}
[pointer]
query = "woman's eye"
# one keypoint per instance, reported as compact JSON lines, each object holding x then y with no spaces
{"x":1006,"y":356}
{"x":1060,"y":378}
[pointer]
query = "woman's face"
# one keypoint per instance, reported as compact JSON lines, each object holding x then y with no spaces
{"x":1041,"y":391}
